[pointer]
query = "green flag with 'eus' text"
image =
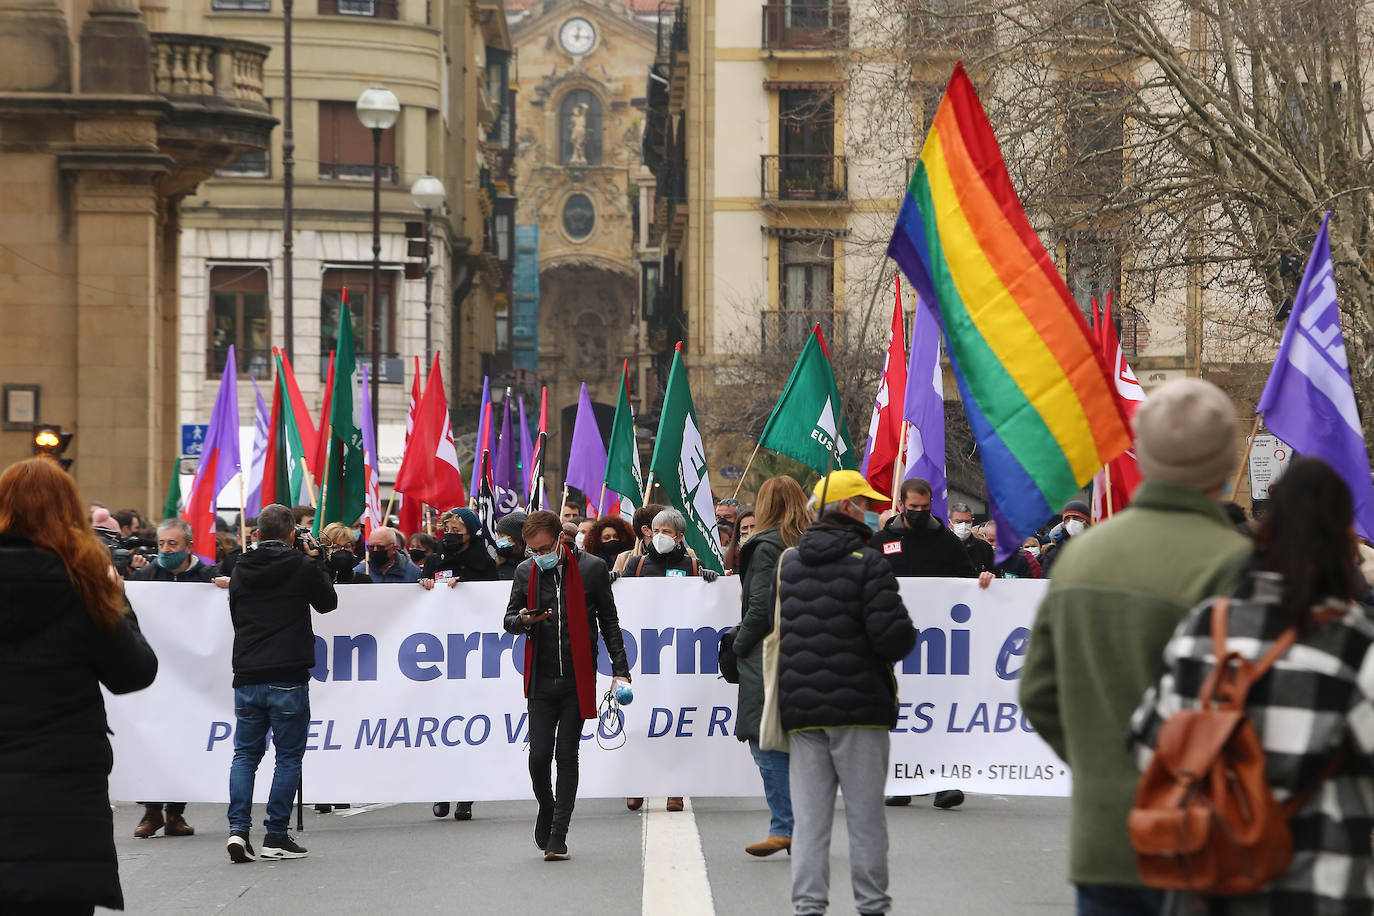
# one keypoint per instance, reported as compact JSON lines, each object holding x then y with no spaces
{"x":808,"y":424}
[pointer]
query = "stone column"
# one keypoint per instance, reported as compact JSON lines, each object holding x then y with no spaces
{"x":116,"y":52}
{"x":35,"y":50}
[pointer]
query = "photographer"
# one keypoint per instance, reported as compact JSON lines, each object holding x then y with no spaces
{"x":559,"y":599}
{"x":273,"y":588}
{"x":174,"y":563}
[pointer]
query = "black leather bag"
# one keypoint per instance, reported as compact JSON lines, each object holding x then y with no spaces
{"x":729,"y":665}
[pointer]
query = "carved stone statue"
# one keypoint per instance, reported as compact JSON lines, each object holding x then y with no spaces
{"x":577,"y":120}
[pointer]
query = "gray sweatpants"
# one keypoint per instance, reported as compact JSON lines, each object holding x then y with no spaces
{"x":855,"y":759}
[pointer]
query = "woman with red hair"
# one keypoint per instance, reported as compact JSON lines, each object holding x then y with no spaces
{"x":65,"y":629}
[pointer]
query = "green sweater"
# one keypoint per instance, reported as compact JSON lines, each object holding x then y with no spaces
{"x":1117,"y":594}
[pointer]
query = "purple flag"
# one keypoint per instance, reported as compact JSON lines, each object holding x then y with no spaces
{"x":924,"y":409}
{"x":483,"y":433}
{"x":1308,"y":401}
{"x":505,"y":478}
{"x":526,"y":445}
{"x":587,"y":457}
{"x":219,"y":451}
{"x":252,"y":504}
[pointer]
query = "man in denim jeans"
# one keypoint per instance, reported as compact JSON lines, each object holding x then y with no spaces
{"x":270,"y":596}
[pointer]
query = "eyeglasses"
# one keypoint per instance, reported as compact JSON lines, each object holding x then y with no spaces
{"x":530,"y":552}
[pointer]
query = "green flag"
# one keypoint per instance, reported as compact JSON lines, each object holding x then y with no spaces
{"x":679,"y":466}
{"x":622,"y":455}
{"x":283,"y":477}
{"x":173,"y":506}
{"x":810,"y":416}
{"x":343,"y":492}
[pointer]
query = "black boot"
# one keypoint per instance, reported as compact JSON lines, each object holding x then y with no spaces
{"x":440,"y":809}
{"x":462,"y":811}
{"x":557,"y":850}
{"x":542,"y":824}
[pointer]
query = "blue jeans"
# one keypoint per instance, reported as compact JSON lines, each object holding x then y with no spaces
{"x":777,"y":788}
{"x":1118,"y":900}
{"x":285,"y":708}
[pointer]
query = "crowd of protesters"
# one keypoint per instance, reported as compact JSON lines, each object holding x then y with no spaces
{"x":1138,"y":610}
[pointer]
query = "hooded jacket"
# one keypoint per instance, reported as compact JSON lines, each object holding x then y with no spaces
{"x":552,"y":652}
{"x":843,"y":627}
{"x":929,"y":551}
{"x":270,"y":596}
{"x":56,"y":830}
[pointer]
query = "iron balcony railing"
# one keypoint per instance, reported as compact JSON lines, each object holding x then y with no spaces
{"x":786,"y":330}
{"x":803,"y":25}
{"x":804,"y":177}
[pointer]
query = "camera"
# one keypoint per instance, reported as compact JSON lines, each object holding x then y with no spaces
{"x":124,"y":549}
{"x":304,"y":542}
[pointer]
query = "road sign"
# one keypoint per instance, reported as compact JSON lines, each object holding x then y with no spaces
{"x":1269,"y":455}
{"x":193,"y":437}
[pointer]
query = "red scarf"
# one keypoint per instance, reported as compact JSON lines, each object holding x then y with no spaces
{"x":575,"y":603}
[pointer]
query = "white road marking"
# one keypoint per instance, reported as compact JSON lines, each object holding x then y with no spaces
{"x":675,"y":880}
{"x":351,"y":812}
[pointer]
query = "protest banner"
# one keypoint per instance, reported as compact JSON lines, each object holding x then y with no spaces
{"x":417,"y":695}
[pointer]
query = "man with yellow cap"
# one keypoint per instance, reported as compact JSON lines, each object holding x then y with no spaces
{"x":843,"y":626}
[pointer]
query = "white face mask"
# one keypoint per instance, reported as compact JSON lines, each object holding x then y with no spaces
{"x":1073,"y":527}
{"x":580,"y":539}
{"x":1033,"y":551}
{"x":664,"y":543}
{"x":962,"y":530}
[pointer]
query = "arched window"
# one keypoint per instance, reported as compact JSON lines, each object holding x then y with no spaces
{"x":579,"y":126}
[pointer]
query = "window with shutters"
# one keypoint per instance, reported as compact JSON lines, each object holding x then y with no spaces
{"x":346,"y":146}
{"x":239,"y":316}
{"x":357,"y":281}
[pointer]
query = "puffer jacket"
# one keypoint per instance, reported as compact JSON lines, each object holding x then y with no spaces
{"x":56,"y":831}
{"x":843,"y":627}
{"x":758,"y":563}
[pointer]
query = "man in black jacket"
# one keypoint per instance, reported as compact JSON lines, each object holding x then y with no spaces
{"x":273,"y":589}
{"x":843,"y":626}
{"x":559,"y":599}
{"x":174,"y":563}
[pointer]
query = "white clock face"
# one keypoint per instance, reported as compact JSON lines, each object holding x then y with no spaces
{"x":577,"y":36}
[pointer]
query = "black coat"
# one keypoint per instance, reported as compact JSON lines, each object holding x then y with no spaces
{"x":655,"y":565}
{"x":56,"y":831}
{"x":270,"y":596}
{"x":843,"y":627}
{"x":981,"y":554}
{"x":472,"y":564}
{"x":154,"y":572}
{"x":550,"y":636}
{"x":932,"y":551}
{"x":758,"y":564}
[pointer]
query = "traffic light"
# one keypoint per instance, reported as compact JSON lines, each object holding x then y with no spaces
{"x":50,"y":442}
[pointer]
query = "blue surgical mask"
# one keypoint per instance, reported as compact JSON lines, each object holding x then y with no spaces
{"x":871,"y":520}
{"x":504,"y":541}
{"x":171,"y":559}
{"x":547,"y":561}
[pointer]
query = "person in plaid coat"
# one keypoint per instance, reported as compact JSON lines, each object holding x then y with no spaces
{"x":1318,"y":697}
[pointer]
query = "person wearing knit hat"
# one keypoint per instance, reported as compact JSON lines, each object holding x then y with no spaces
{"x":1074,"y":520}
{"x":510,"y":544}
{"x":1118,"y":591}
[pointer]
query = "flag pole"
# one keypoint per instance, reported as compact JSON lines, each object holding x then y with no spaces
{"x":565,"y":498}
{"x":1240,"y":471}
{"x":1107,"y":476}
{"x":389,"y":503}
{"x":243,"y":514}
{"x":309,"y":481}
{"x":898,"y":465}
{"x":601,"y":501}
{"x":739,"y":486}
{"x":648,"y":485}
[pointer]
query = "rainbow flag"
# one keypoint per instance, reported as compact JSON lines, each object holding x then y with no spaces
{"x":1034,"y":387}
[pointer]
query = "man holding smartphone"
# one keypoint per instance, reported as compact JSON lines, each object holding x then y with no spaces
{"x":559,"y":598}
{"x":270,"y":596}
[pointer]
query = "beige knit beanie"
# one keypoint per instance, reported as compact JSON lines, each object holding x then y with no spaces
{"x":1185,"y":434}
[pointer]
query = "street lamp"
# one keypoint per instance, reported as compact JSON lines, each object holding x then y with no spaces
{"x":428,"y":194}
{"x":378,"y":109}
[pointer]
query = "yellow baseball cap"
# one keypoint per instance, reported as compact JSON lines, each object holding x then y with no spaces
{"x":846,"y":485}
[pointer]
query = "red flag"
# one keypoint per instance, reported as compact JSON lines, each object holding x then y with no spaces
{"x":303,"y":424}
{"x":885,"y":430}
{"x":319,"y":448}
{"x":1125,"y":473}
{"x":411,"y":514}
{"x":270,"y":459}
{"x":429,"y":468}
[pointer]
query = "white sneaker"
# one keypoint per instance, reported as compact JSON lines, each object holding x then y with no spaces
{"x":240,"y":849}
{"x":282,"y":846}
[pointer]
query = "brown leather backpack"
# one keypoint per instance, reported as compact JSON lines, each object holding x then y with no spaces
{"x":1205,"y":819}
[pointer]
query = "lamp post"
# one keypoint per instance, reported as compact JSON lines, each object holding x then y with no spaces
{"x":288,"y":184}
{"x":428,"y":194}
{"x":378,"y":110}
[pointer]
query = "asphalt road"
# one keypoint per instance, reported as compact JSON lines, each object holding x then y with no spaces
{"x":995,"y":855}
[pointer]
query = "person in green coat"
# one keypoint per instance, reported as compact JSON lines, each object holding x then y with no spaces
{"x":1119,"y":591}
{"x":780,"y":516}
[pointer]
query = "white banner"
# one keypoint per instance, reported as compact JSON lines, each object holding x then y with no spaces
{"x":417,"y":696}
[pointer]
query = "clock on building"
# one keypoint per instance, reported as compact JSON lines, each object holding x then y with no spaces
{"x":577,"y":36}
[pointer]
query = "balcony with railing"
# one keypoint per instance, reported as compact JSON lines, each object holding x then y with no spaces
{"x":786,"y":330}
{"x":357,"y":171}
{"x":804,"y":178}
{"x":951,"y":27}
{"x":366,"y":9}
{"x":805,"y":25}
{"x":208,"y":70}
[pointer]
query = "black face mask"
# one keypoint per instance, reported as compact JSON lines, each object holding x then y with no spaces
{"x":378,"y":556}
{"x":612,"y":548}
{"x":417,"y":555}
{"x":454,"y":543}
{"x":917,"y":519}
{"x":341,"y":561}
